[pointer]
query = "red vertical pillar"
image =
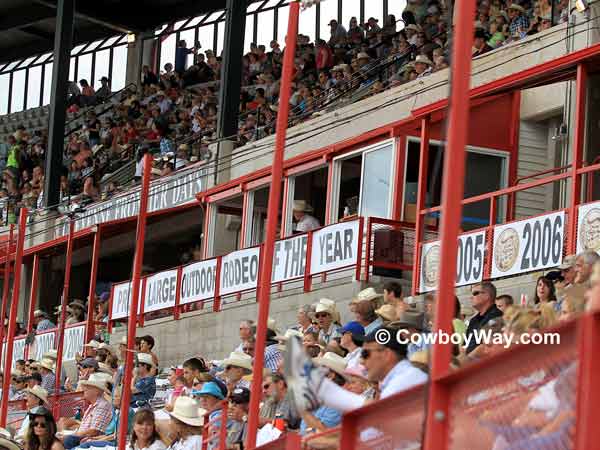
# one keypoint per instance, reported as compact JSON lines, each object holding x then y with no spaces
{"x":12,"y":321}
{"x":32,"y":297}
{"x":134,"y":300}
{"x":513,"y":163}
{"x":436,"y":431}
{"x":90,"y":326}
{"x":5,"y":286}
{"x":264,"y":291}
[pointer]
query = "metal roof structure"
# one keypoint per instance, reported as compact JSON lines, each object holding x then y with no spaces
{"x":27,"y":26}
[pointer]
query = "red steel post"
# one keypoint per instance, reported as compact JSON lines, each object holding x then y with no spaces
{"x":436,"y":435}
{"x":134,"y":299}
{"x":63,"y":308}
{"x":90,"y":327}
{"x":266,"y":271}
{"x":6,"y":285}
{"x":12,"y":321}
{"x":33,"y":293}
{"x":578,"y":147}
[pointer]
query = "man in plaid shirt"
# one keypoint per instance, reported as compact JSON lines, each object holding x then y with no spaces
{"x":97,"y":416}
{"x":519,"y":22}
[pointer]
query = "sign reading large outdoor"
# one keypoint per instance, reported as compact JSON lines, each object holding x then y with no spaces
{"x":469,"y":261}
{"x":528,"y":245}
{"x":289,"y":258}
{"x":335,"y":247}
{"x":239,"y":271}
{"x":588,"y":227}
{"x":198,"y":281}
{"x":161,"y":290}
{"x":164,"y":194}
{"x":73,"y":344}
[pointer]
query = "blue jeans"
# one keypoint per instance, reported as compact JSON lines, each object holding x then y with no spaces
{"x":71,"y":441}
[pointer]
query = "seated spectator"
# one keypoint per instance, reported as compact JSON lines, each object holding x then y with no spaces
{"x":46,"y":368}
{"x":304,"y":319}
{"x":187,"y":419}
{"x":145,"y":435}
{"x":41,"y":432}
{"x":364,"y":314}
{"x":88,"y":96}
{"x":246,"y":330}
{"x":146,"y":345}
{"x":238,"y":418}
{"x":504,"y":301}
{"x":411,"y":323}
{"x":544,"y":292}
{"x":324,"y":313}
{"x":276,"y":402}
{"x":583,"y":267}
{"x":41,"y":321}
{"x":519,"y":22}
{"x":273,"y":356}
{"x":104,"y":92}
{"x":387,"y":314}
{"x":143,"y":383}
{"x":483,"y":297}
{"x":210,"y":400}
{"x":353,"y":334}
{"x":237,"y":366}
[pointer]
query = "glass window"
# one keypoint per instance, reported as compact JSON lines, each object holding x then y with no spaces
{"x":33,"y":87}
{"x":72,"y":74}
{"x":376,"y":182}
{"x":119,"y":68}
{"x":188,"y":36}
{"x":374,"y":8}
{"x":248,"y":32}
{"x":205,"y":36}
{"x":226,"y":226}
{"x":350,"y":8}
{"x":84,"y":69}
{"x":47,"y":83}
{"x":102,"y":62}
{"x":220,"y":37}
{"x":18,"y":91}
{"x":4,"y":82}
{"x":167,"y":51}
{"x":396,"y":7}
{"x":283,"y":15}
{"x":329,"y":11}
{"x":265,"y":28}
{"x":307,"y":24}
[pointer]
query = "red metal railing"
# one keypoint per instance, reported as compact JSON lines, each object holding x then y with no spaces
{"x":216,"y":439}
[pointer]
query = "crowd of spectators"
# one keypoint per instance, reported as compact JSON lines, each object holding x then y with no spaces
{"x":315,"y":370}
{"x":180,"y":103}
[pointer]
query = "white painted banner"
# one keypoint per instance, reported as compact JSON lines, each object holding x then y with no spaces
{"x":18,"y":352}
{"x":44,"y":342}
{"x":528,"y":245}
{"x":469,"y":261}
{"x":161,"y":290}
{"x":73,"y":344}
{"x":588,"y":228}
{"x":120,"y":300}
{"x":239,"y":271}
{"x":334,"y":247}
{"x":289,"y":258}
{"x":198,"y":281}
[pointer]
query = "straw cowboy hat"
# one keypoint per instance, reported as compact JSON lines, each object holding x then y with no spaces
{"x":286,"y":337}
{"x":328,"y":305}
{"x":6,"y":442}
{"x":145,"y":358}
{"x":517,"y":7}
{"x":238,"y":359}
{"x":47,"y":364}
{"x":108,"y":348}
{"x":301,"y":205}
{"x":366,"y":295}
{"x":96,"y":380}
{"x":123,"y":340}
{"x":39,"y":313}
{"x":387,"y":312}
{"x":76,"y":304}
{"x":423,"y":59}
{"x":38,"y":392}
{"x":50,"y":354}
{"x":93,"y":344}
{"x":188,"y":411}
{"x":363,"y":55}
{"x":332,"y":361}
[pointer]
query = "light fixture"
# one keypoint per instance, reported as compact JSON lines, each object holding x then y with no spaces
{"x":130,"y":38}
{"x":581,"y":5}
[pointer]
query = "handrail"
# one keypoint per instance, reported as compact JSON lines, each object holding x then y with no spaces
{"x":543,"y":172}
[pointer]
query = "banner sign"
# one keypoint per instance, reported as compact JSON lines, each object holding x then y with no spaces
{"x":289,"y":258}
{"x":334,"y":247}
{"x":527,"y":245}
{"x":239,"y":271}
{"x":469,"y":261}
{"x":73,"y":344}
{"x":18,"y":351}
{"x":179,"y":189}
{"x":588,"y":228}
{"x":198,"y":281}
{"x":120,"y":300}
{"x":43,"y":344}
{"x":161,"y":290}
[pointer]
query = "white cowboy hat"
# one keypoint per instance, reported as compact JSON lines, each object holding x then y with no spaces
{"x":387,"y":312}
{"x":332,"y":361}
{"x":517,"y":7}
{"x":6,"y":442}
{"x":301,"y":205}
{"x":188,"y":411}
{"x":324,"y":308}
{"x":96,"y":380}
{"x":145,"y":358}
{"x":93,"y":344}
{"x":413,"y":27}
{"x":39,"y":313}
{"x":286,"y":337}
{"x":47,"y":364}
{"x":51,"y":354}
{"x":423,"y":59}
{"x":238,"y":359}
{"x":38,"y":392}
{"x":123,"y":340}
{"x":77,"y":303}
{"x":108,"y":348}
{"x":272,"y":324}
{"x":363,"y":55}
{"x":366,"y":295}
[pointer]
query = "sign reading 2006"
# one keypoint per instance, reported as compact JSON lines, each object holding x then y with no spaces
{"x":528,"y":245}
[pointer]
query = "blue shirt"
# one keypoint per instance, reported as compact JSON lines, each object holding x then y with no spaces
{"x":44,"y":325}
{"x":146,"y":388}
{"x":327,"y":416}
{"x":272,"y":357}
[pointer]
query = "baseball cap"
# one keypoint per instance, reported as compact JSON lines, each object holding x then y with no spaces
{"x":211,"y":388}
{"x":353,"y":327}
{"x":104,"y":297}
{"x":89,"y":362}
{"x":240,"y":395}
{"x":568,"y":262}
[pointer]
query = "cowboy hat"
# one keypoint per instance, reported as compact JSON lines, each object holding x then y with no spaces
{"x":238,"y":359}
{"x":272,"y":324}
{"x":6,"y":442}
{"x":96,"y":380}
{"x":188,"y":411}
{"x":93,"y":344}
{"x":366,"y":295}
{"x":108,"y":348}
{"x":301,"y":205}
{"x":423,"y":59}
{"x":363,"y":55}
{"x":411,"y":318}
{"x":413,"y":27}
{"x":517,"y":7}
{"x":39,"y":313}
{"x":145,"y":358}
{"x":50,"y":354}
{"x":387,"y":312}
{"x":286,"y":337}
{"x":123,"y":340}
{"x":77,"y":304}
{"x":47,"y":364}
{"x":332,"y":361}
{"x":39,"y":392}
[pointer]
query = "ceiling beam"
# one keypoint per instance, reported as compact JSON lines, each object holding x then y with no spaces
{"x":23,"y":17}
{"x":30,"y":29}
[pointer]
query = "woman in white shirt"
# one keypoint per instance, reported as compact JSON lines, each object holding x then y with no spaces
{"x":144,"y":435}
{"x":187,"y":419}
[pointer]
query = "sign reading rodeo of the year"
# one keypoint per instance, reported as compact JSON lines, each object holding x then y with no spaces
{"x":588,"y":228}
{"x":528,"y":245}
{"x":469,"y":261}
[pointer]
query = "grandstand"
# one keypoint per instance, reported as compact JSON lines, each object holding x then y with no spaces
{"x":186,"y":161}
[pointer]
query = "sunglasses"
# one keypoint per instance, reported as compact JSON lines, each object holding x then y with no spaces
{"x":365,"y":353}
{"x":228,"y":367}
{"x":318,"y":316}
{"x":37,"y":423}
{"x":266,"y":385}
{"x":476,"y":293}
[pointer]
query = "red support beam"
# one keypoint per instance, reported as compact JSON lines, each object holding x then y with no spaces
{"x":266,"y":269}
{"x":134,"y":299}
{"x":63,"y":310}
{"x":5,"y":286}
{"x":436,"y":435}
{"x":578,"y":147}
{"x":12,"y":321}
{"x":513,"y":162}
{"x":399,"y":164}
{"x":90,"y":328}
{"x":33,"y":295}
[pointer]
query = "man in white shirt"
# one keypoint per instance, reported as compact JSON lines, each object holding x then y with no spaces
{"x":385,"y":363}
{"x":304,"y":221}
